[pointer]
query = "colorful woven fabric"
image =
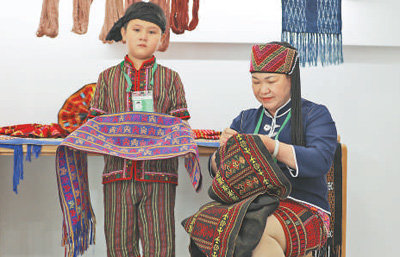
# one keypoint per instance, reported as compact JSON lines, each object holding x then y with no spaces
{"x":246,"y":168}
{"x":34,"y":131}
{"x":214,"y":228}
{"x":75,"y":109}
{"x":206,"y":134}
{"x":272,"y":58}
{"x":304,"y":229}
{"x":111,"y":97}
{"x":131,"y":135}
{"x":245,"y":172}
{"x":314,"y":27}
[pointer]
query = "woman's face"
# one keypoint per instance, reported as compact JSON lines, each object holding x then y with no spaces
{"x":272,"y":90}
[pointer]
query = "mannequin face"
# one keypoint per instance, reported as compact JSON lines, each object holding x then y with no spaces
{"x":272,"y":90}
{"x":142,"y":38}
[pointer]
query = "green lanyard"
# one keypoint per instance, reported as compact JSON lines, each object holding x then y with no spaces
{"x":128,"y":79}
{"x":257,"y":129}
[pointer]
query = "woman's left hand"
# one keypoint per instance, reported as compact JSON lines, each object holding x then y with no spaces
{"x":226,"y":134}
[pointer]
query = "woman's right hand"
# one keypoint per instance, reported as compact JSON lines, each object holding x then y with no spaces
{"x":226,"y":134}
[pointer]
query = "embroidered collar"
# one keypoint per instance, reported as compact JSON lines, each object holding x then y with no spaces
{"x":145,"y":65}
{"x":283,"y":110}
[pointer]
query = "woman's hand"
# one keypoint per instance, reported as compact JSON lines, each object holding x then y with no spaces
{"x":226,"y":134}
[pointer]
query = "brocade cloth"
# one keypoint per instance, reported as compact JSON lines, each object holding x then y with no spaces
{"x":247,"y":188}
{"x":130,"y":135}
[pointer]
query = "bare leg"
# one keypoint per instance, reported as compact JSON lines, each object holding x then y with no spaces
{"x":273,"y":240}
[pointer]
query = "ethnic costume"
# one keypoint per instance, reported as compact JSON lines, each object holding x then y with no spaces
{"x":139,"y":196}
{"x":304,"y":214}
{"x":313,"y":162}
{"x":125,"y":215}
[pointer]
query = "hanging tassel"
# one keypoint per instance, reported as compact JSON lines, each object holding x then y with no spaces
{"x":81,"y":16}
{"x":314,"y":47}
{"x":37,"y":149}
{"x":114,"y":11}
{"x":28,"y":153}
{"x":18,"y":167}
{"x":48,"y":25}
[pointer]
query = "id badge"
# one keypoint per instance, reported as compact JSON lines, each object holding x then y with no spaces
{"x":142,"y":101}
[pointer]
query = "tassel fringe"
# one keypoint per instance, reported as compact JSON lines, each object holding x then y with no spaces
{"x":18,"y":167}
{"x":316,"y":47}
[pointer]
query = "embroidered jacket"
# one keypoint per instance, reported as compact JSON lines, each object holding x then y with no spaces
{"x":111,"y":96}
{"x":312,"y":160}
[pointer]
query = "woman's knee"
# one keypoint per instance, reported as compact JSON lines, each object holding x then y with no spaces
{"x":273,"y":240}
{"x":275,"y":230}
{"x":268,"y":247}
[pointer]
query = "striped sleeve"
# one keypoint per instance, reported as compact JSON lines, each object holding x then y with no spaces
{"x":98,"y":102}
{"x":178,"y":101}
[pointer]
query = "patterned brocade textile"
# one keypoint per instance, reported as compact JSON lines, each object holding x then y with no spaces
{"x":75,"y":110}
{"x":246,"y":190}
{"x":314,"y":27}
{"x":245,"y":169}
{"x":273,"y":58}
{"x":130,"y":135}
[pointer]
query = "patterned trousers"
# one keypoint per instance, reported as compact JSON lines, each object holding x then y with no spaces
{"x":144,"y":210}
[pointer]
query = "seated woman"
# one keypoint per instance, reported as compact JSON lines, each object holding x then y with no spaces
{"x":302,"y":136}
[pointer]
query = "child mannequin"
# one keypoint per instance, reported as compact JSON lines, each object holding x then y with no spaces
{"x":139,"y":196}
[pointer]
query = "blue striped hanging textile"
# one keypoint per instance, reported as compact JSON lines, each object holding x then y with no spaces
{"x":314,"y":27}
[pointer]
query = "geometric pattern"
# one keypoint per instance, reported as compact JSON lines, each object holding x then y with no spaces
{"x":273,"y":58}
{"x":130,"y":135}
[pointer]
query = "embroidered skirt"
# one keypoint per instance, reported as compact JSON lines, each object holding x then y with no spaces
{"x":304,"y":228}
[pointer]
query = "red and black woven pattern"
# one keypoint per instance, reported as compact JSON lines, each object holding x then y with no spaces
{"x":272,"y":58}
{"x":34,"y":130}
{"x":206,"y":134}
{"x":304,"y":230}
{"x":245,"y":168}
{"x":214,"y":228}
{"x":75,"y":110}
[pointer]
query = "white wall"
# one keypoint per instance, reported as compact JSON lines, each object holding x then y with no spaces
{"x":37,"y":74}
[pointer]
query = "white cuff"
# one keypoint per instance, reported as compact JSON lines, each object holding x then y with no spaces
{"x":294,"y":172}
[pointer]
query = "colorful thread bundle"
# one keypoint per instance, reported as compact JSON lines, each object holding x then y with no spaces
{"x":180,"y":16}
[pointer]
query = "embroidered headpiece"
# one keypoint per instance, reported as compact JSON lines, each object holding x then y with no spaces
{"x":273,"y":57}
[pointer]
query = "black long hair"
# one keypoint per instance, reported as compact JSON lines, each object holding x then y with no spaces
{"x":297,"y":131}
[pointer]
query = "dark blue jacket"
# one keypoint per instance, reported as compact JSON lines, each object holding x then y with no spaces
{"x":312,"y":160}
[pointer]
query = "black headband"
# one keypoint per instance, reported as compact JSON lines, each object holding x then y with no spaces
{"x":146,"y":11}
